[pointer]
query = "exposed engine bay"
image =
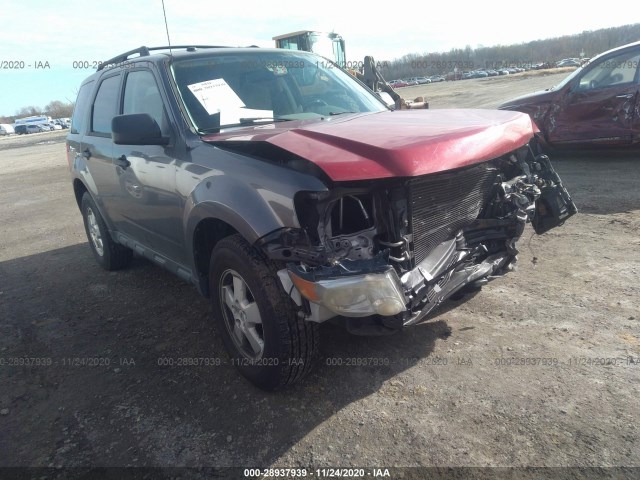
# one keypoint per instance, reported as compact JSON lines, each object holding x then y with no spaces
{"x":394,"y":249}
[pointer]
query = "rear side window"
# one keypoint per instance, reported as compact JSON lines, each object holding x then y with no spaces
{"x":79,"y":119}
{"x":105,"y":105}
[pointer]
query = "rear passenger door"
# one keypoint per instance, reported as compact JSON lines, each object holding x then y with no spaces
{"x":96,"y":147}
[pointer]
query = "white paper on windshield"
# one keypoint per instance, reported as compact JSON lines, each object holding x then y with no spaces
{"x":216,"y":96}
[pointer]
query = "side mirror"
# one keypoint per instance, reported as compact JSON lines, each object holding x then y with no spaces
{"x":136,"y":129}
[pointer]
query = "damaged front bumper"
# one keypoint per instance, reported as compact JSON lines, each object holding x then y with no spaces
{"x":446,"y":271}
{"x":373,"y":288}
{"x":390,"y":256}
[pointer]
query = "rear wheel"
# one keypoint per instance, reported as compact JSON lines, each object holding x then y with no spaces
{"x":271,"y":346}
{"x":109,"y":254}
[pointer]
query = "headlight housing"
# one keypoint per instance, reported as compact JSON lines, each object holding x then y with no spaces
{"x":359,"y":295}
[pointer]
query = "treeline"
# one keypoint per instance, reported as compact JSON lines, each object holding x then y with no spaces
{"x":586,"y":44}
{"x":55,"y":109}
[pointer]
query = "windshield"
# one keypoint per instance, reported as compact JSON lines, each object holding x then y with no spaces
{"x":228,"y":90}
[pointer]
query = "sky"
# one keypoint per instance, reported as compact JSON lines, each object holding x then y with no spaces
{"x":43,"y":38}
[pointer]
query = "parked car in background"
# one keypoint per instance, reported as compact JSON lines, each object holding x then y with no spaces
{"x":542,"y":65}
{"x":568,"y":62}
{"x":597,"y":104}
{"x":25,"y":129}
{"x":6,"y":129}
{"x":398,"y":83}
{"x":437,"y":78}
{"x":475,"y":74}
{"x":420,"y":80}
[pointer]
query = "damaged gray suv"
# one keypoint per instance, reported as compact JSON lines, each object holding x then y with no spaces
{"x":289,"y":194}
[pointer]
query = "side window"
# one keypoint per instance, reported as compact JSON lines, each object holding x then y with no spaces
{"x":141,"y":95}
{"x":617,"y":70}
{"x":79,"y":117}
{"x":105,"y":105}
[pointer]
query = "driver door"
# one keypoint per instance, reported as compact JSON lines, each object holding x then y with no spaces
{"x":149,"y":205}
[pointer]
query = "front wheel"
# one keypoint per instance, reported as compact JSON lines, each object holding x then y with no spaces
{"x":266,"y":340}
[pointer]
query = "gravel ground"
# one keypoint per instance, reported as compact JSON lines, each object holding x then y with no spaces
{"x":540,"y":369}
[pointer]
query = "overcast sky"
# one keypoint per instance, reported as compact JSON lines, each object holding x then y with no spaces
{"x":61,"y":32}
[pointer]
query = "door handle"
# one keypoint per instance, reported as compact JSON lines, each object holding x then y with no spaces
{"x":625,"y":95}
{"x":86,"y":153}
{"x":122,"y":162}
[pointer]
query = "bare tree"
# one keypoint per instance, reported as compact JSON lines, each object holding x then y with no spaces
{"x":58,"y":109}
{"x":29,"y":111}
{"x":588,"y":43}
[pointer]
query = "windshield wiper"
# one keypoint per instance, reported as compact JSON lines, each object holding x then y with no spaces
{"x":242,"y":122}
{"x":254,"y":120}
{"x":339,"y":113}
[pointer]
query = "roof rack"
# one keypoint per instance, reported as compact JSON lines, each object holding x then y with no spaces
{"x":145,"y":52}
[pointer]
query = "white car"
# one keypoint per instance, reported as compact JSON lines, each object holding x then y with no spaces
{"x":6,"y":129}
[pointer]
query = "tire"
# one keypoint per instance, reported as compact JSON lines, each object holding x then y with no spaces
{"x":266,"y":339}
{"x":109,"y":254}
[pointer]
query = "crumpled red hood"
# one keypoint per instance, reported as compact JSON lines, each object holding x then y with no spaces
{"x":403,"y":143}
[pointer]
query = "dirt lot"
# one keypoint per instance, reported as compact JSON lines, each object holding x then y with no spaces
{"x":450,"y":392}
{"x":484,"y":92}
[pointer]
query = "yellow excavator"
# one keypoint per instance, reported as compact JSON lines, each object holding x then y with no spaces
{"x":332,"y":46}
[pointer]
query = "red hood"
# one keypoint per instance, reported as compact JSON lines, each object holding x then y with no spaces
{"x":403,"y":143}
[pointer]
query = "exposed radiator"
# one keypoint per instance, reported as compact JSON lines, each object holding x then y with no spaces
{"x":442,"y":204}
